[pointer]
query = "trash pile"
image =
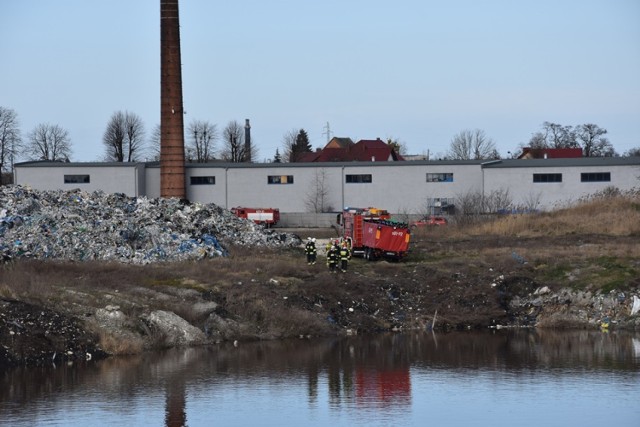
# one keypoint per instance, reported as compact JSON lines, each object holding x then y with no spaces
{"x":81,"y":226}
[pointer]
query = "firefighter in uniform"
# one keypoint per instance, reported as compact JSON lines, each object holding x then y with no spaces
{"x":332,"y":258}
{"x":311,"y":251}
{"x":345,"y":256}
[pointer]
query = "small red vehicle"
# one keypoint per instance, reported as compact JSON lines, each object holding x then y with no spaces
{"x":373,"y":235}
{"x":430,"y":220}
{"x":267,"y":216}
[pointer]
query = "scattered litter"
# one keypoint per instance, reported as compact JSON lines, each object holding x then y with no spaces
{"x":81,"y":226}
{"x":519,"y":259}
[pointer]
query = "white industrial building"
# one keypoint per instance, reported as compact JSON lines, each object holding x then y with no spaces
{"x":406,"y":187}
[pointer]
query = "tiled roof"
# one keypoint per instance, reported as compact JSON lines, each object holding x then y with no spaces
{"x":365,"y":150}
{"x":550,"y":153}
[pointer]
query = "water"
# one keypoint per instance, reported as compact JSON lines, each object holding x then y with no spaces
{"x":500,"y":378}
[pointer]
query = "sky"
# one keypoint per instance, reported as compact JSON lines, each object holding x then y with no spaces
{"x":416,"y":71}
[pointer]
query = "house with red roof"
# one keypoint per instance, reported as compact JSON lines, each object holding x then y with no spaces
{"x":550,"y":153}
{"x":344,"y":150}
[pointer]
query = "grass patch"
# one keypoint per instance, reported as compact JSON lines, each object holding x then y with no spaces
{"x":608,"y":214}
{"x":613,"y":274}
{"x":175,"y":282}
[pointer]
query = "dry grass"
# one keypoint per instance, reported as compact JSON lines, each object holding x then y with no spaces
{"x":592,"y":245}
{"x":613,"y":216}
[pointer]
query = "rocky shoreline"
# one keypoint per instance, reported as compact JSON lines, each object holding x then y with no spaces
{"x":121,"y":322}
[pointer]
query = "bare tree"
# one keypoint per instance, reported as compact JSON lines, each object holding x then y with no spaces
{"x":538,"y":141}
{"x":497,"y":200}
{"x":10,"y":141}
{"x":530,"y":202}
{"x":472,"y":145}
{"x":202,"y":138}
{"x":124,"y":137}
{"x":593,"y":142}
{"x":554,"y":135}
{"x":48,"y":142}
{"x":233,"y":140}
{"x":316,"y":200}
{"x":288,"y":142}
{"x":469,"y":207}
{"x":154,"y":143}
{"x":633,"y":152}
{"x":558,"y":136}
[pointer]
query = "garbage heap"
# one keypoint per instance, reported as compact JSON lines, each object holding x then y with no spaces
{"x":81,"y":226}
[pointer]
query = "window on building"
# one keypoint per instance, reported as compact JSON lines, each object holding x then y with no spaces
{"x":280,"y":179}
{"x":359,"y":179}
{"x":439,"y":177}
{"x":203,"y":180}
{"x":76,"y":179}
{"x":547,"y":177}
{"x":595,"y":177}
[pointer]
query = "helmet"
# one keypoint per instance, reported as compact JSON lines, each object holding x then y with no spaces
{"x":309,"y":238}
{"x":313,"y":240}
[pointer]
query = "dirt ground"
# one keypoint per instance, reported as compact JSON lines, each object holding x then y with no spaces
{"x":445,"y":283}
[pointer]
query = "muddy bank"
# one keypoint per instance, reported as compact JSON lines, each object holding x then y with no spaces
{"x":84,"y":311}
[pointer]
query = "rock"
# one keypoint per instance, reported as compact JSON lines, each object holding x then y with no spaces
{"x":110,"y":317}
{"x":542,"y":291}
{"x":175,"y":330}
{"x":218,"y":329}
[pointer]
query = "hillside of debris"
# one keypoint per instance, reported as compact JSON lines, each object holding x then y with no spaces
{"x":80,"y":226}
{"x":543,"y":270}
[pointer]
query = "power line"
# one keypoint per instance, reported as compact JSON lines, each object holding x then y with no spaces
{"x":327,"y":131}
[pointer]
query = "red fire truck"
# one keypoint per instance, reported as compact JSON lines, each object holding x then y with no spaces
{"x":372,"y":233}
{"x":267,"y":216}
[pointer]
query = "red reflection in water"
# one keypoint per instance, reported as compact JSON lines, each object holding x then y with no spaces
{"x":383,"y":387}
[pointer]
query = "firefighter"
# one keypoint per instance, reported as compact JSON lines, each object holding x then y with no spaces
{"x":345,"y":256}
{"x":310,"y":250}
{"x":332,"y":258}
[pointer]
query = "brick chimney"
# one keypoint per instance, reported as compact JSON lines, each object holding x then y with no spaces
{"x":247,"y":141}
{"x":172,"y":180}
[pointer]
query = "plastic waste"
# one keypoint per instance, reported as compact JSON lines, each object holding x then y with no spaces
{"x":82,"y":226}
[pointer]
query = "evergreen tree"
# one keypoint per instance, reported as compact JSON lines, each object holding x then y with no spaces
{"x":301,"y":146}
{"x":276,"y":157}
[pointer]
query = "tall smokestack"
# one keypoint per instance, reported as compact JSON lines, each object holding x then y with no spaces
{"x":247,"y":141}
{"x":172,"y":182}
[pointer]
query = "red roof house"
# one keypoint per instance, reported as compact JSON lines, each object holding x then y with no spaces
{"x":550,"y":153}
{"x":344,"y":150}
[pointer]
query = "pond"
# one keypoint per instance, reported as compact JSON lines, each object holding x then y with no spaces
{"x":498,"y":378}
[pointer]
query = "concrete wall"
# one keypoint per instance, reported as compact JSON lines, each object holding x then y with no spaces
{"x":519,"y":182}
{"x":307,"y":220}
{"x":399,"y":187}
{"x":127,"y":178}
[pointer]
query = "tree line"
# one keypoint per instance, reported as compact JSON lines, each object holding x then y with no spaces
{"x":590,"y":138}
{"x":125,"y":140}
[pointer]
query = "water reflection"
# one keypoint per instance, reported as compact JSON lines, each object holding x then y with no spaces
{"x":367,"y":372}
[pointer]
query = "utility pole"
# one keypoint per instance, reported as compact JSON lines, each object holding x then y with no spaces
{"x":327,"y":131}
